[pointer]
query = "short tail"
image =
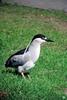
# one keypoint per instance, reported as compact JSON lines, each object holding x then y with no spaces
{"x":7,"y":64}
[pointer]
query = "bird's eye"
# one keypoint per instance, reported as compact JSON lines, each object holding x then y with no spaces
{"x":45,"y":38}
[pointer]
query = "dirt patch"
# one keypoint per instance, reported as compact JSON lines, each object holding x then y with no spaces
{"x":65,"y":91}
{"x":58,"y":24}
{"x":61,"y":25}
{"x":3,"y":95}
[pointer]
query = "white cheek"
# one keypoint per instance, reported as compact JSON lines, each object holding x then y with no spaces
{"x":40,"y":40}
{"x":43,"y":41}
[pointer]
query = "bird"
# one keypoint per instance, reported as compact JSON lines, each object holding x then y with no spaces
{"x":26,"y":58}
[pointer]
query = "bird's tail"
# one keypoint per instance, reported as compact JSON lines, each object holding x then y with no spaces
{"x":7,"y":64}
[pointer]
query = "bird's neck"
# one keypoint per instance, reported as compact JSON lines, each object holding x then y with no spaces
{"x":35,"y":44}
{"x":34,"y":50}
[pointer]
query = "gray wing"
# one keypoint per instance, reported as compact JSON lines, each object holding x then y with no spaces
{"x":11,"y":62}
{"x":18,"y":59}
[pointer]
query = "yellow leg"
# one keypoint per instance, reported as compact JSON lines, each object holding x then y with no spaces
{"x":23,"y":75}
{"x":29,"y":76}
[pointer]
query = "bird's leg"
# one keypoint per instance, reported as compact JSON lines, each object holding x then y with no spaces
{"x":28,"y":76}
{"x":23,"y":75}
{"x":21,"y":71}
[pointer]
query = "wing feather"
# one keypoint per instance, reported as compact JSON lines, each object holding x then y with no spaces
{"x":14,"y":61}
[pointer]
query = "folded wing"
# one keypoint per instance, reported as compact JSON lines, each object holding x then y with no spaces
{"x":18,"y":59}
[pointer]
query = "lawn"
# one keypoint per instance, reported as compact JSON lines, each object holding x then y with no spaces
{"x":18,"y":24}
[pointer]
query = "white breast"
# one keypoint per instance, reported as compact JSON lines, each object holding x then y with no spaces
{"x":35,"y":52}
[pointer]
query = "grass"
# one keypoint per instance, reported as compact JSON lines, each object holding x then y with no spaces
{"x":18,"y":24}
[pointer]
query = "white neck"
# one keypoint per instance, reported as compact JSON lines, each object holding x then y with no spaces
{"x":34,"y":50}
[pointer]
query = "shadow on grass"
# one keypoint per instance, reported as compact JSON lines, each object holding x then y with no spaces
{"x":15,"y":72}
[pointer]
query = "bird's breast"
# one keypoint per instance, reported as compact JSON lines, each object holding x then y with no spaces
{"x":35,"y":52}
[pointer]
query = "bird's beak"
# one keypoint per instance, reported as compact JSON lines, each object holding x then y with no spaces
{"x":48,"y":40}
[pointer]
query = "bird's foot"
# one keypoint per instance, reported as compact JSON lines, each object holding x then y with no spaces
{"x":25,"y":75}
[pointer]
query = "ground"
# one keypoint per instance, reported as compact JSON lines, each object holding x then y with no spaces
{"x":18,"y":24}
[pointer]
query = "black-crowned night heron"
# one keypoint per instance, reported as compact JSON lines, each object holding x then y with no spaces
{"x":25,"y":59}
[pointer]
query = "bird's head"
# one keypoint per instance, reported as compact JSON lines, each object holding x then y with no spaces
{"x":40,"y":38}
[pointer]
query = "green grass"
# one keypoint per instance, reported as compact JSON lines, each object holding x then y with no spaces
{"x":49,"y":76}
